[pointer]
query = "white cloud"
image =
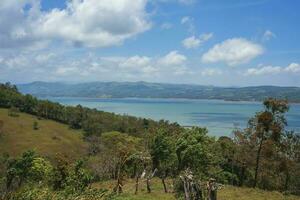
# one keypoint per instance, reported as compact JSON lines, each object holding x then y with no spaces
{"x":293,"y":67}
{"x":263,"y":70}
{"x":172,"y":58}
{"x":268,"y":35}
{"x":233,"y":52}
{"x":211,"y":72}
{"x":90,"y":23}
{"x":135,"y":62}
{"x":271,"y":70}
{"x":16,"y":23}
{"x":194,"y":42}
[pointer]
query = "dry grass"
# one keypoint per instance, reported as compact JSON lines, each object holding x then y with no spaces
{"x":51,"y":137}
{"x":227,"y":193}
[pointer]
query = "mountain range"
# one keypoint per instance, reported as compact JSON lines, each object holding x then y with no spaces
{"x":157,"y":90}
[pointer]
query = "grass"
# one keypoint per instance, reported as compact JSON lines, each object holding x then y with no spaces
{"x":48,"y":140}
{"x":226,"y":193}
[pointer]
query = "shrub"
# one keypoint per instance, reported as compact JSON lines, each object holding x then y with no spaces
{"x":35,"y":125}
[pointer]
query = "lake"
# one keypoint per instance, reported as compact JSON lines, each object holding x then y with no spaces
{"x":220,"y":117}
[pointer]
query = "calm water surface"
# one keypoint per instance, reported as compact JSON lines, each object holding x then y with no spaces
{"x":220,"y":117}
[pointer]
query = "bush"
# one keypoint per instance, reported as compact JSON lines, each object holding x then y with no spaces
{"x":13,"y":112}
{"x":34,"y":192}
{"x":35,"y":125}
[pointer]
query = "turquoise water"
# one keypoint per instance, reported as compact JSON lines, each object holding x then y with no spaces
{"x":220,"y":117}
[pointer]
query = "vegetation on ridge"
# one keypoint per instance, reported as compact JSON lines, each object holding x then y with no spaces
{"x":159,"y":90}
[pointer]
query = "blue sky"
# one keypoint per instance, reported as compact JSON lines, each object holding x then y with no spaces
{"x":209,"y":42}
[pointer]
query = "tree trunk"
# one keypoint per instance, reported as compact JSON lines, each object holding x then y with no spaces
{"x":242,"y":177}
{"x":186,"y":190}
{"x":119,"y":185}
{"x":257,"y":162}
{"x":148,"y":185}
{"x":136,"y":184}
{"x":164,"y":184}
{"x":287,"y":180}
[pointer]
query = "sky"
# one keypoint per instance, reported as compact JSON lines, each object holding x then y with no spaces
{"x":206,"y":42}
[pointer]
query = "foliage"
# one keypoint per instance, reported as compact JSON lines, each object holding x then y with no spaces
{"x":19,"y":170}
{"x":192,"y":150}
{"x":35,"y":125}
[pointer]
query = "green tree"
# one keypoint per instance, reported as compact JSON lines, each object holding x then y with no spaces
{"x":192,"y":151}
{"x":120,"y":147}
{"x":163,"y":153}
{"x":19,"y":169}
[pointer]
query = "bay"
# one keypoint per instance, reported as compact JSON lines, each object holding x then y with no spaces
{"x":220,"y":117}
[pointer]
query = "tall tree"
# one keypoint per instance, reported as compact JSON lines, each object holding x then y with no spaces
{"x":267,"y":125}
{"x":162,"y":150}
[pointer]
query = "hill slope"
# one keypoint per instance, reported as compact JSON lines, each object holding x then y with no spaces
{"x":50,"y":139}
{"x":158,"y":90}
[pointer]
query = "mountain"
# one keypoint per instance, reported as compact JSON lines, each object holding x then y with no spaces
{"x":157,"y":90}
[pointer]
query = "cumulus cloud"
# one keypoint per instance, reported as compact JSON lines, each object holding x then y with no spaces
{"x":233,"y":52}
{"x":172,"y":58}
{"x":16,"y":24}
{"x":49,"y":66}
{"x":293,"y":67}
{"x":264,"y":70}
{"x":270,"y":70}
{"x":194,"y":42}
{"x":90,"y":23}
{"x":268,"y":35}
{"x":136,"y":61}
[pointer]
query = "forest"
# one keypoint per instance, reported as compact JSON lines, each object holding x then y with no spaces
{"x":189,"y":163}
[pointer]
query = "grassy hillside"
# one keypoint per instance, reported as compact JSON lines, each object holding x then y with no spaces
{"x":50,"y":138}
{"x":227,"y":193}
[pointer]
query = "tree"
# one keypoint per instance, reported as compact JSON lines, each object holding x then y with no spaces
{"x":120,"y":147}
{"x":139,"y":162}
{"x":162,"y":151}
{"x":19,"y":169}
{"x":290,"y":161}
{"x":60,"y":173}
{"x":192,"y":151}
{"x":267,"y":125}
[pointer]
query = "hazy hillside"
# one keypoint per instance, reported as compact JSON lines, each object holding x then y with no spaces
{"x":158,"y":90}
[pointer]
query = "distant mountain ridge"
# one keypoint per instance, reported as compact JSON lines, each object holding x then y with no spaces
{"x":158,"y":90}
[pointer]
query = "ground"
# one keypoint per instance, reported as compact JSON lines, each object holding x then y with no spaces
{"x":227,"y":193}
